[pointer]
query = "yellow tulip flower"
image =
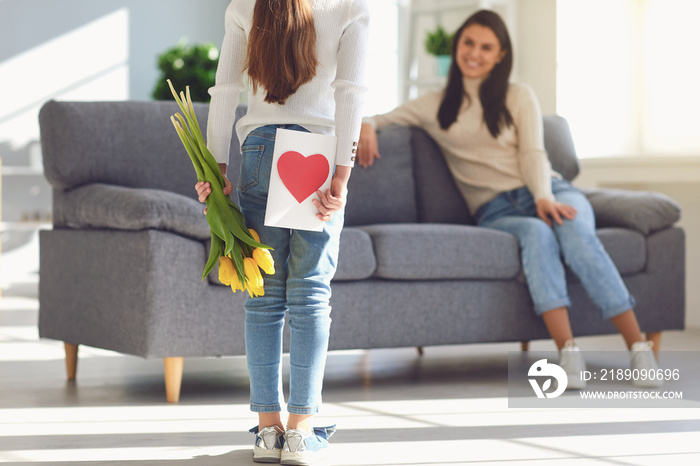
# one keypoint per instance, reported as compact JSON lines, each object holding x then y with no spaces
{"x":254,"y":234}
{"x":253,"y":277}
{"x":227,"y":272}
{"x":236,"y":284}
{"x":263,"y":258}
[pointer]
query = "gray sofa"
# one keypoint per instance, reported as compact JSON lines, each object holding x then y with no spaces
{"x":121,"y":268}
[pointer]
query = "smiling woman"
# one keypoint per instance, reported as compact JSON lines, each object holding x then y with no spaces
{"x":478,"y":51}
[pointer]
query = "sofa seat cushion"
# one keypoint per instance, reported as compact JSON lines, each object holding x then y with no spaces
{"x":443,"y":252}
{"x":627,"y":249}
{"x":356,"y":259}
{"x":100,"y":205}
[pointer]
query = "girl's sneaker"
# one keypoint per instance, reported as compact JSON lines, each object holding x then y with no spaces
{"x":268,"y":444}
{"x":301,"y":448}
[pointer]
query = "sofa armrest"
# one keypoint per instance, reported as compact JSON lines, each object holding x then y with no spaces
{"x":117,"y":207}
{"x":643,"y":211}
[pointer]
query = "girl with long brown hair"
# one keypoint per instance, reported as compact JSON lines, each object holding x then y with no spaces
{"x":305,"y":63}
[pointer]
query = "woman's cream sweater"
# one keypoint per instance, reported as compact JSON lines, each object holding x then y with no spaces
{"x":484,"y":166}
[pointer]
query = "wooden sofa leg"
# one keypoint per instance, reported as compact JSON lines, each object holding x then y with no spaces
{"x":656,"y":338}
{"x":420,"y":350}
{"x":173,"y":378}
{"x":71,"y":360}
{"x":524,"y":345}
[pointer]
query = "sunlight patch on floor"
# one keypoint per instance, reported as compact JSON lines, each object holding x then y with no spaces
{"x":90,"y":455}
{"x":375,"y":415}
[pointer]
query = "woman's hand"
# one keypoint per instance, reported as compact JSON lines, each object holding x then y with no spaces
{"x":204,"y":189}
{"x":548,"y":210}
{"x":333,"y":199}
{"x":367,"y":148}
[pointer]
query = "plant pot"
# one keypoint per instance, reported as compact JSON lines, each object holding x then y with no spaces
{"x":443,"y":64}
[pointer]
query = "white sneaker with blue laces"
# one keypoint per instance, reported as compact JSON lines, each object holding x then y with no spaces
{"x":268,"y":444}
{"x":301,"y":448}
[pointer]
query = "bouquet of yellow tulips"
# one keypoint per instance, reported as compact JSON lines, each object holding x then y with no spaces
{"x":236,"y":248}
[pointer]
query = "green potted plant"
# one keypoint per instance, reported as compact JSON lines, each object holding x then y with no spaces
{"x":187,"y":65}
{"x":439,"y":43}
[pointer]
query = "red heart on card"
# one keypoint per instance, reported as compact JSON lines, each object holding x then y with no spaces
{"x":302,"y":175}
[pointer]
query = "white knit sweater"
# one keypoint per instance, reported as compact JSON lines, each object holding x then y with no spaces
{"x":483,"y":166}
{"x":331,"y":103}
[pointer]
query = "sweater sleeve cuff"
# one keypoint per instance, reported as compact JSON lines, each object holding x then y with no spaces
{"x":346,"y":152}
{"x":544,"y":194}
{"x":370,"y":121}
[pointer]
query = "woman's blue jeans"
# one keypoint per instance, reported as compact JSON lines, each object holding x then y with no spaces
{"x":305,"y":262}
{"x":543,"y":248}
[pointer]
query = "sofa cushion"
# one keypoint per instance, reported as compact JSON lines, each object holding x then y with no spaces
{"x":442,"y":251}
{"x":116,"y":207}
{"x":626,"y":248}
{"x":643,"y":211}
{"x":384,"y":193}
{"x":560,"y":146}
{"x":356,"y":260}
{"x":438,"y":199}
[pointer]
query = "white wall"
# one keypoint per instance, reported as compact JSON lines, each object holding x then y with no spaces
{"x":80,"y":50}
{"x":87,"y":50}
{"x":535,"y":50}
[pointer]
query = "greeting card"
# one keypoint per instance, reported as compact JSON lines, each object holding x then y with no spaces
{"x":302,"y":164}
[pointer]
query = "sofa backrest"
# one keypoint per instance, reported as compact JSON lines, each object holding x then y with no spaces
{"x":560,"y":146}
{"x":129,"y":143}
{"x":385,"y":192}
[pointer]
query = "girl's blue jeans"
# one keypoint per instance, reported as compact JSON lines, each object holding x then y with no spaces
{"x":305,"y":262}
{"x":545,"y":250}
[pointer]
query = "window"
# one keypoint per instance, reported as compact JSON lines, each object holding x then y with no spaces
{"x":382,"y":58}
{"x":626,"y":78}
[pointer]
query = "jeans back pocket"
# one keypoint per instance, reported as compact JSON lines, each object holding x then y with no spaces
{"x":251,"y":159}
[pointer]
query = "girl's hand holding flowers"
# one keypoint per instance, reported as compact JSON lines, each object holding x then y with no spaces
{"x":204,"y":189}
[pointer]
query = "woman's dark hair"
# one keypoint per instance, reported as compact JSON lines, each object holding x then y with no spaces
{"x":281,"y":52}
{"x":494,"y":88}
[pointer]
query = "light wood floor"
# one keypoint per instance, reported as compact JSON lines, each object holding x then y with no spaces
{"x":392,"y":407}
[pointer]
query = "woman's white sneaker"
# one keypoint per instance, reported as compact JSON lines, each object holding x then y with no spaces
{"x":571,"y":360}
{"x":644,"y":366}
